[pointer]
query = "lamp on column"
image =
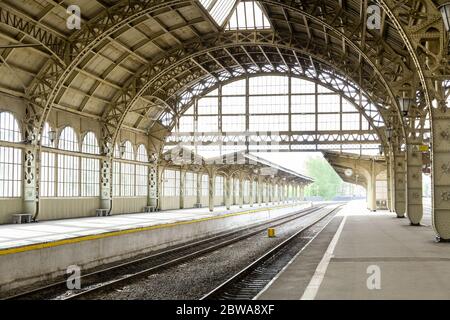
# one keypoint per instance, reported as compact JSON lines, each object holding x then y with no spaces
{"x":389,"y":133}
{"x":405,"y":105}
{"x":109,"y":148}
{"x":52,"y":136}
{"x":381,"y":149}
{"x":445,"y":12}
{"x":122,"y":149}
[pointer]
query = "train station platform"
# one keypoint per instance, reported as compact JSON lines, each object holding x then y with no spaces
{"x":367,"y":255}
{"x":42,"y":251}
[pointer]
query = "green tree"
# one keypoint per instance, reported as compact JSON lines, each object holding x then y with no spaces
{"x":326,"y":181}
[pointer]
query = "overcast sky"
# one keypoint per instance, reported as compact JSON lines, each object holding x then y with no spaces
{"x":290,"y":160}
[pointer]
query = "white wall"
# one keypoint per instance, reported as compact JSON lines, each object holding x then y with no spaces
{"x":129,"y":205}
{"x":64,"y":208}
{"x":170,"y":203}
{"x":205,"y":201}
{"x":190,"y":201}
{"x":219,"y":201}
{"x":8,"y":207}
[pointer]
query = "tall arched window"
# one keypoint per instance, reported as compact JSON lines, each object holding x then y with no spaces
{"x":219,"y":186}
{"x":246,"y":191}
{"x":68,"y":165}
{"x":90,"y":144}
{"x":127,"y":171}
{"x":45,"y":140}
{"x":48,"y":165}
{"x":142,"y":172}
{"x":205,"y":185}
{"x":10,"y":158}
{"x":68,"y":140}
{"x":171,"y":183}
{"x":281,"y":103}
{"x":9,"y":128}
{"x":236,"y":189}
{"x":90,"y":168}
{"x":190,"y":184}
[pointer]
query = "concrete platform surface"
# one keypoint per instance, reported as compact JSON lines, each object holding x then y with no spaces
{"x":41,"y":252}
{"x":364,"y":255}
{"x":18,"y":235}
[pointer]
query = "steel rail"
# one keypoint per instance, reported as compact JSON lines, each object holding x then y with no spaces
{"x":169,"y":257}
{"x":247,"y":281}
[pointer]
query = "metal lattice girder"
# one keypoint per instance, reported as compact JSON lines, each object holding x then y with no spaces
{"x":336,"y":26}
{"x":47,"y":86}
{"x":53,"y":42}
{"x":377,"y":60}
{"x":273,"y":139}
{"x":178,"y":77}
{"x":350,"y":32}
{"x":325,"y":78}
{"x":420,"y":26}
{"x":333,"y":16}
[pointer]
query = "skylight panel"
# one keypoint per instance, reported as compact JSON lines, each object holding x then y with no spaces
{"x":248,"y":15}
{"x":219,"y":9}
{"x":206,"y":3}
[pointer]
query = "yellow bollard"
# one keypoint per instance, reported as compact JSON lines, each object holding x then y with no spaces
{"x":271,"y":232}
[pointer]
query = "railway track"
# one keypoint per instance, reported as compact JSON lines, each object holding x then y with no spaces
{"x":247,"y":283}
{"x":120,"y":274}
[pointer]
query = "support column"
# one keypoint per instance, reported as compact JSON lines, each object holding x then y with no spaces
{"x":372,"y":188}
{"x":241,"y":192}
{"x":211,"y":191}
{"x":392,"y":179}
{"x":224,"y":191}
{"x":152,"y":199}
{"x":182,"y":187}
{"x":441,"y":173}
{"x":267,"y":193}
{"x":228,"y":192}
{"x":302,"y":193}
{"x":279,"y":192}
{"x":273,"y":193}
{"x":199,"y":190}
{"x":388,"y":183}
{"x":286,"y":192}
{"x":251,"y":192}
{"x":160,"y":174}
{"x":414,"y":206}
{"x":399,"y":188}
{"x":259,"y":191}
{"x":30,"y":195}
{"x":234,"y":191}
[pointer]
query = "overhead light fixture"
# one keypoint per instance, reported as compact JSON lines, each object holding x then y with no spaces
{"x":445,"y":12}
{"x":389,"y":132}
{"x":348,"y":172}
{"x":108,"y":147}
{"x":381,"y":149}
{"x":405,"y":105}
{"x":122,"y":149}
{"x":52,"y":136}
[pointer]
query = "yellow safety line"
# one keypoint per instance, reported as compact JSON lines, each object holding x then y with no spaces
{"x":56,"y":243}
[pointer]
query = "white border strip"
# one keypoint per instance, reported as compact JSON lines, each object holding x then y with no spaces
{"x":292,"y":260}
{"x":313,"y":287}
